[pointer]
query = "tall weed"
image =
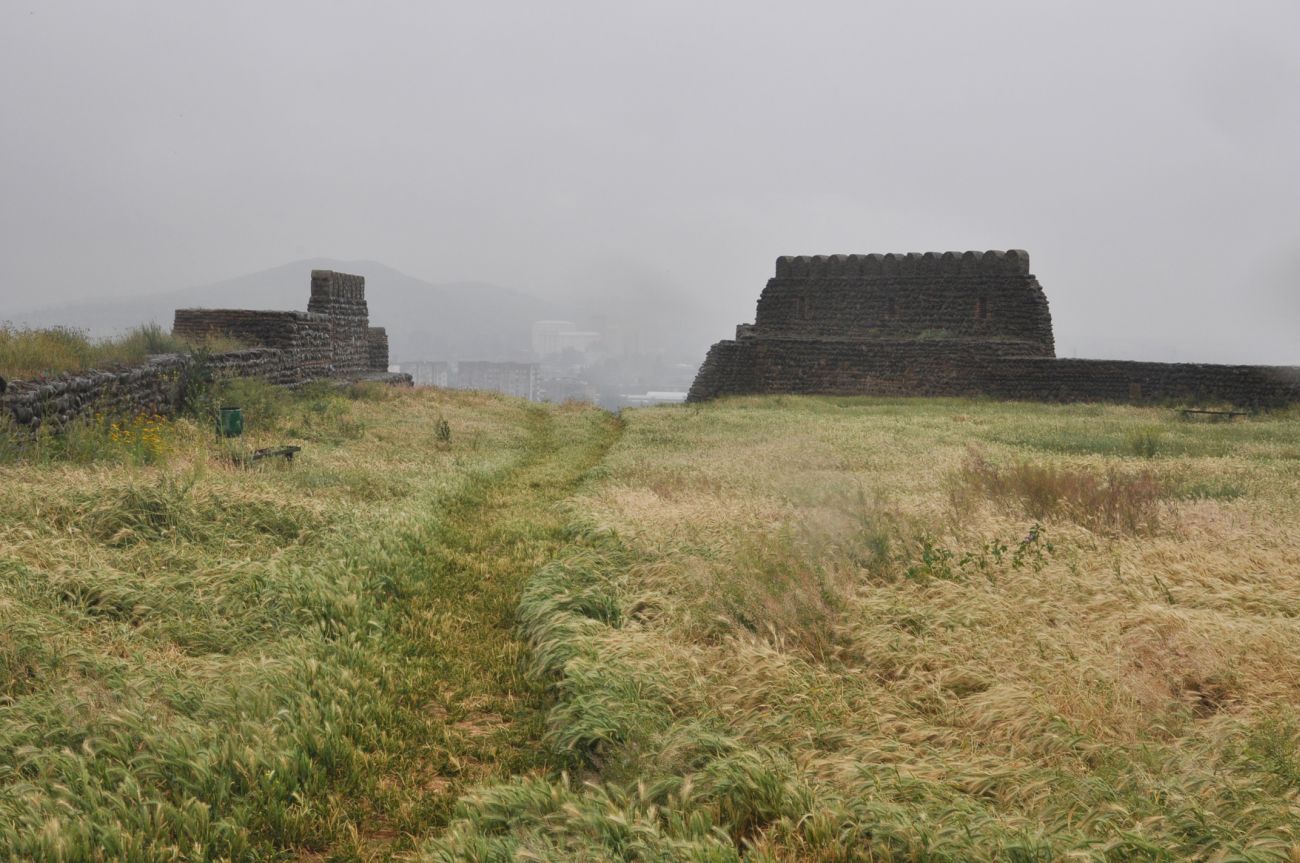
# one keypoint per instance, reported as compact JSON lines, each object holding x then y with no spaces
{"x":33,"y":353}
{"x":1110,"y":501}
{"x":1145,"y":442}
{"x":784,"y":585}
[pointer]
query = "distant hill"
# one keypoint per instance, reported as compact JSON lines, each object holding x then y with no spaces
{"x":452,"y":321}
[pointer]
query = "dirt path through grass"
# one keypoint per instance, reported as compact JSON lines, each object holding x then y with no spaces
{"x":295,"y":662}
{"x":463,"y":710}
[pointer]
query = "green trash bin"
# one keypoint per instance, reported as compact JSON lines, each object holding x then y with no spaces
{"x":230,"y":422}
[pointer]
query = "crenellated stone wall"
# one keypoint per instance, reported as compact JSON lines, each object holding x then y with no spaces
{"x":973,"y":295}
{"x":950,"y":324}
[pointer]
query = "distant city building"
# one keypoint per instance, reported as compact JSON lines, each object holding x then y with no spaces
{"x":578,"y":340}
{"x":655,"y":397}
{"x":515,"y":379}
{"x":428,"y":374}
{"x":555,"y":337}
{"x":546,"y":336}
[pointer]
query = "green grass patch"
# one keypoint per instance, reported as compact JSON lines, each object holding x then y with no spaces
{"x":203,"y":661}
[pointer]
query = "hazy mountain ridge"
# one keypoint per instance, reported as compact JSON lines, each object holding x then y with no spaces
{"x":456,"y":320}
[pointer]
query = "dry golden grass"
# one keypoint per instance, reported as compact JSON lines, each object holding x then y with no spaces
{"x":780,"y":629}
{"x":1096,"y":655}
{"x":33,"y":353}
{"x":1117,"y":500}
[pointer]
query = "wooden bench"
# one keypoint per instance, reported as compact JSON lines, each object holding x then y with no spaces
{"x":285,"y":452}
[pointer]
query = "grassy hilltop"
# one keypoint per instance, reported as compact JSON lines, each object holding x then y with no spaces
{"x":767,"y":629}
{"x":199,"y":661}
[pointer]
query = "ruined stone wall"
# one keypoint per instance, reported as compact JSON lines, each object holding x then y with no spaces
{"x":157,"y":386}
{"x":377,"y":349}
{"x":977,"y":295}
{"x":331,"y":340}
{"x":342,"y":298}
{"x":904,"y":367}
{"x":304,"y":337}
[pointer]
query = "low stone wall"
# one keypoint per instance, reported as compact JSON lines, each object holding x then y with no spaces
{"x":332,"y":340}
{"x":889,"y":367}
{"x":842,"y":367}
{"x":272,"y":365}
{"x":392,"y":379}
{"x":304,"y":337}
{"x":157,"y":386}
{"x":1075,"y":380}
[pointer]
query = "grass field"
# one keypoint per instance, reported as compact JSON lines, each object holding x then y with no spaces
{"x":764,"y":629}
{"x":33,"y":353}
{"x":833,"y":630}
{"x":200,"y":662}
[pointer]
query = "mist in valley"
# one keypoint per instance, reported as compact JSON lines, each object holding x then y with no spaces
{"x":634,"y":169}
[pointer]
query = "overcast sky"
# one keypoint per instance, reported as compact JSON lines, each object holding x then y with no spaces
{"x":1146,"y":154}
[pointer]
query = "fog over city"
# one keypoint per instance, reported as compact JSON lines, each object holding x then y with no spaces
{"x":645,"y":163}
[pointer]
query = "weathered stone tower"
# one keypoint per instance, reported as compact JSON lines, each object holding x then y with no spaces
{"x":990,"y":297}
{"x":342,"y":298}
{"x":836,"y":317}
{"x":951,"y":323}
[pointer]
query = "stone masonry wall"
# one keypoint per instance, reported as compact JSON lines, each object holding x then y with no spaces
{"x":303,"y":336}
{"x":917,"y":368}
{"x":154,"y":387}
{"x":1078,"y":380}
{"x":943,"y":325}
{"x":986,"y":295}
{"x":331,"y":340}
{"x":377,"y":349}
{"x":342,"y":298}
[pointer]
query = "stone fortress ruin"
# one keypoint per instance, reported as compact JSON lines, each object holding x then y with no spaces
{"x":332,"y":339}
{"x":943,"y":324}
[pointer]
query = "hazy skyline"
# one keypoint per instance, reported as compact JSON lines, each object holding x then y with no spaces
{"x":662,"y":155}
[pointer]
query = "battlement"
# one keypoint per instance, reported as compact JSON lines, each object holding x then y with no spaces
{"x":1013,"y":262}
{"x":984,"y":296}
{"x":329,"y":285}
